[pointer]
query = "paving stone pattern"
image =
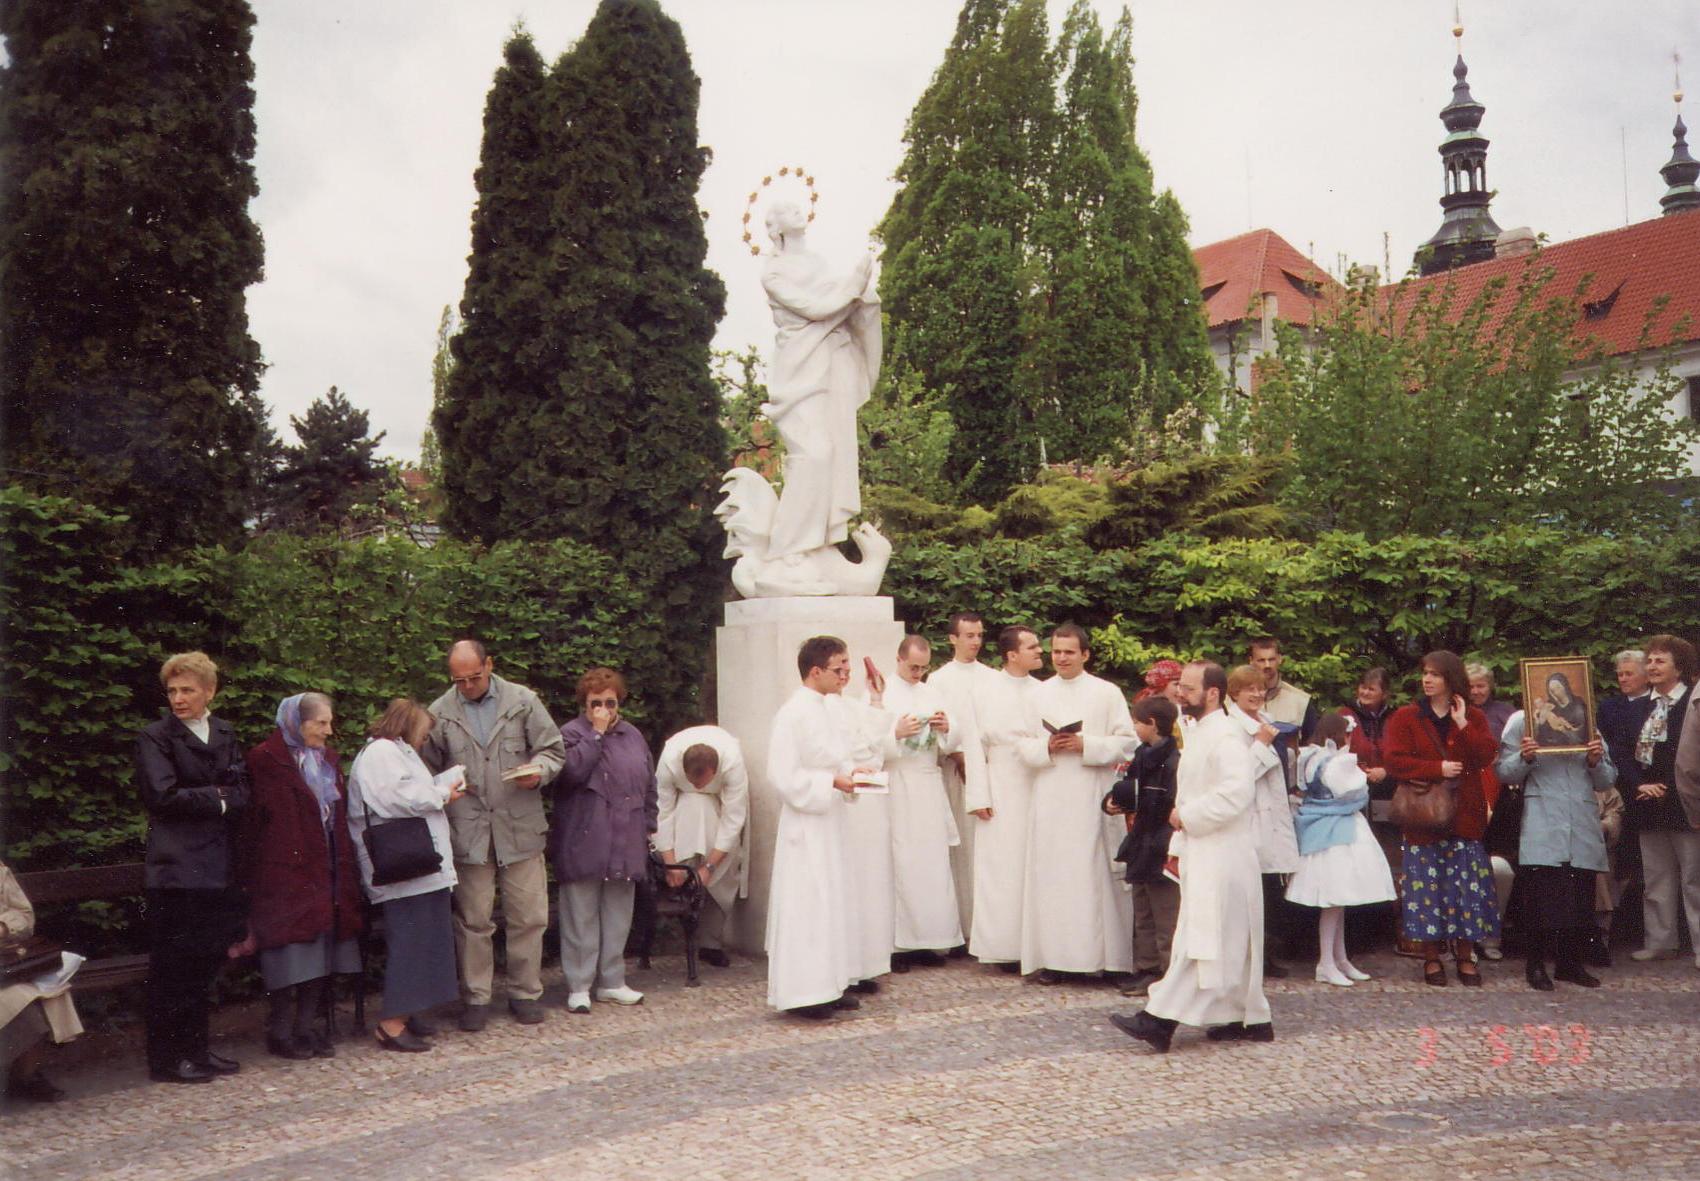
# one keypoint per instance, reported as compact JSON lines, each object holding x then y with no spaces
{"x":951,"y":1072}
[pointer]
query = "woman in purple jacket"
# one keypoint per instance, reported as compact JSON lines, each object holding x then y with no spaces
{"x":605,"y":811}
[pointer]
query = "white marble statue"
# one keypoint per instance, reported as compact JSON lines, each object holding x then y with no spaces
{"x":825,"y":361}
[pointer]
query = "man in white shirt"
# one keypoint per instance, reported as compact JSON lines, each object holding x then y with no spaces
{"x":965,"y":682}
{"x":923,"y":831}
{"x":810,"y":921}
{"x":1076,"y":917}
{"x":1215,"y":975}
{"x":1001,"y":812}
{"x":703,"y":794}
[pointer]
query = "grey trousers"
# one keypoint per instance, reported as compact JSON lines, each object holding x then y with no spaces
{"x":1670,"y":869}
{"x":1156,"y":910}
{"x":596,"y":918}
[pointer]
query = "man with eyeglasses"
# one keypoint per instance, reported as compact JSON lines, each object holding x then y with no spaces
{"x":500,"y":732}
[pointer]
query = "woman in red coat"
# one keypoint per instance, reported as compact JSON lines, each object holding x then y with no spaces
{"x":301,"y":875}
{"x":1448,"y":896}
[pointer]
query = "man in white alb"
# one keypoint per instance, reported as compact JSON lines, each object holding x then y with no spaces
{"x":703,"y":792}
{"x":964,"y":681}
{"x":1075,"y":916}
{"x":1215,"y":976}
{"x":1000,"y":816}
{"x":922,"y":828}
{"x":812,"y":769}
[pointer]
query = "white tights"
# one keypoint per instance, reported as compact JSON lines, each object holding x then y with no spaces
{"x":1332,"y":966}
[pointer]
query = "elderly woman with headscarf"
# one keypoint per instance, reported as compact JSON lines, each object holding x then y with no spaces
{"x":299,"y":867}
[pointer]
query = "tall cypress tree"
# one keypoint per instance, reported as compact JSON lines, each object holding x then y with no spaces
{"x":602,"y":423}
{"x":956,"y":237}
{"x":126,"y":148}
{"x":1033,"y":276}
{"x":503,"y":354}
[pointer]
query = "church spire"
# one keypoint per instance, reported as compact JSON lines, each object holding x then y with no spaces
{"x":1683,"y":169}
{"x":1467,"y":229}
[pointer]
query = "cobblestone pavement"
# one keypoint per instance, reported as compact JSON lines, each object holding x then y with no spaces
{"x":958,"y":1071}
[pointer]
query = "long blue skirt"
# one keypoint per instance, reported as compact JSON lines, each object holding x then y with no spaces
{"x":419,"y":936}
{"x":1448,"y":891}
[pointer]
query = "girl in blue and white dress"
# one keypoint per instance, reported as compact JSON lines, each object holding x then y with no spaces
{"x":1340,"y":862}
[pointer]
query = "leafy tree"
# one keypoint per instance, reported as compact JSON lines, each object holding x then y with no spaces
{"x":442,"y":366}
{"x":954,"y":286}
{"x":1412,"y":411}
{"x":126,"y":148}
{"x":1035,"y":280}
{"x":333,"y":469}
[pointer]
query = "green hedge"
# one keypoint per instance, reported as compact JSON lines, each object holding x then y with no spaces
{"x":1340,"y":604}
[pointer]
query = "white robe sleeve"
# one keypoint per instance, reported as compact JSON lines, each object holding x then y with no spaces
{"x":1111,"y":747}
{"x":734,"y":803}
{"x":667,"y":777}
{"x":1233,"y":787}
{"x":800,"y":786}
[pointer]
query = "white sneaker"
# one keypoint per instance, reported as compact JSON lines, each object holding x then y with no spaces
{"x":1332,"y":976}
{"x":1654,"y":953}
{"x":578,"y":1002}
{"x":1355,"y":972}
{"x":620,"y":996}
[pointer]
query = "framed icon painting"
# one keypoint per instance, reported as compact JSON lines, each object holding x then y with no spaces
{"x":1558,"y":702}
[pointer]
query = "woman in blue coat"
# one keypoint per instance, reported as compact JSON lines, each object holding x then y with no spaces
{"x":1559,"y":850}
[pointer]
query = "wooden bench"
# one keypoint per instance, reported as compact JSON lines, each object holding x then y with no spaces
{"x":101,"y":883}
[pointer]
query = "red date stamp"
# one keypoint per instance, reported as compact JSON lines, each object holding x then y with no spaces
{"x":1544,"y":1045}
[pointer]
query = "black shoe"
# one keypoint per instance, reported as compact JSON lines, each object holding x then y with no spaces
{"x":1010,"y":968}
{"x":219,"y":1064}
{"x":402,"y":1042}
{"x":1597,"y":954}
{"x":421,"y":1026}
{"x":526,"y":1011}
{"x":1234,"y":1031}
{"x":1536,"y":973}
{"x":960,"y":951}
{"x":866,"y":986}
{"x":473,"y":1018}
{"x":294,"y":1048}
{"x":1273,"y":970}
{"x":182,"y":1071}
{"x":814,"y":1012}
{"x":1262,"y":1032}
{"x":1046,"y":976}
{"x":714,"y":957}
{"x":1575,"y":974}
{"x":924,"y":959}
{"x":34,"y":1089}
{"x":1153,"y":1031}
{"x":846,"y":1002}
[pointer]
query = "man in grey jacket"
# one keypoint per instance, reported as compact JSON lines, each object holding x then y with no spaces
{"x":494,"y":728}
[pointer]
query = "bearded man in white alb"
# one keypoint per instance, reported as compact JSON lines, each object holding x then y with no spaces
{"x":1215,"y":976}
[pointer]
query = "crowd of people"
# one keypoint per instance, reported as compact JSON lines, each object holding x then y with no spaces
{"x":1046,"y":826}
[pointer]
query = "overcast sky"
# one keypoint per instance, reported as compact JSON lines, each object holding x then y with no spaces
{"x":1315,"y":118}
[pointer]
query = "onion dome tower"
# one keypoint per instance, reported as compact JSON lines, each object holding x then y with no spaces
{"x":1683,"y":196}
{"x":1467,"y":229}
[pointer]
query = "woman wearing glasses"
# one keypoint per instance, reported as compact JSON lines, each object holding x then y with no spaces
{"x":605,"y":811}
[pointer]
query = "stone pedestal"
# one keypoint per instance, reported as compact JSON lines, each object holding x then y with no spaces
{"x":756,"y":660}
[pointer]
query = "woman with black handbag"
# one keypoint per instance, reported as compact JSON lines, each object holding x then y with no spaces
{"x":401,"y":835}
{"x":1440,"y":752}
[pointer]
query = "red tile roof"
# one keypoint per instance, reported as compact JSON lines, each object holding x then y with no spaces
{"x":1631,"y":268}
{"x":1237,"y":272}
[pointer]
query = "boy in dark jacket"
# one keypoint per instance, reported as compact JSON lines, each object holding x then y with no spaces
{"x":1147,"y":794}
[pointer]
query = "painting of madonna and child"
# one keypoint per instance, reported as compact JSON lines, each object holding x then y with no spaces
{"x":1558,"y":697}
